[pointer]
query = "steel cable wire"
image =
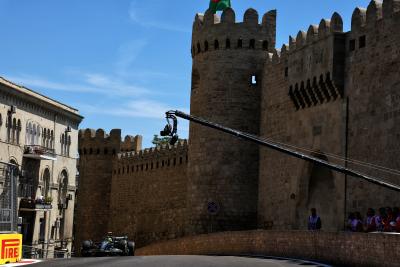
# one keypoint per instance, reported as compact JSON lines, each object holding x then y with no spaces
{"x":330,"y":155}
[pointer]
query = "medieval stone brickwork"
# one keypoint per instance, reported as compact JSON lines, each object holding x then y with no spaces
{"x":149,"y":193}
{"x":127,"y":190}
{"x":337,"y":248}
{"x":226,"y":55}
{"x":97,"y":151}
{"x":336,"y":93}
{"x":328,"y":93}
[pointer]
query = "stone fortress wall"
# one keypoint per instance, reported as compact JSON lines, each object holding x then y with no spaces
{"x":127,"y":190}
{"x":327,"y":92}
{"x":149,"y":193}
{"x":333,"y":92}
{"x":226,"y":55}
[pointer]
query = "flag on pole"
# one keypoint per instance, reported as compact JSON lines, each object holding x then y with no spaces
{"x":219,"y":5}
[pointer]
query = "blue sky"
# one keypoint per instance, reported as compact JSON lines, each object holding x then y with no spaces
{"x":123,"y":63}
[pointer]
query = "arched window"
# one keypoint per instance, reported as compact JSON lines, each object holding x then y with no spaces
{"x":37,"y":136}
{"x":14,"y":131}
{"x":240,"y":43}
{"x":65,"y":145}
{"x":48,"y":138}
{"x":28,"y":133}
{"x":62,"y":144}
{"x":46,"y":183}
{"x":33,"y":134}
{"x":51,"y":139}
{"x":19,"y":127}
{"x":252,"y":44}
{"x":69,"y":145}
{"x":9,"y":126}
{"x":265,"y":45}
{"x":44,"y":135}
{"x":63,"y":187}
{"x":228,"y":44}
{"x":216,"y":45}
{"x":206,"y":46}
{"x":62,"y":199}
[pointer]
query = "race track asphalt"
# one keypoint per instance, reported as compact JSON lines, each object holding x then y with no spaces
{"x":176,"y":261}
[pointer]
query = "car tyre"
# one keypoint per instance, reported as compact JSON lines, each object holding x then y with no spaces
{"x":85,"y":253}
{"x":87,"y":244}
{"x":131,"y":247}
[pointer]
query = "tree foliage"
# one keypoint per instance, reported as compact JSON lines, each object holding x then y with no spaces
{"x":159,"y":141}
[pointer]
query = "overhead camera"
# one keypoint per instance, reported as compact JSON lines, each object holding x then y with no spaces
{"x":171,"y":129}
{"x":167,"y":130}
{"x":174,"y":139}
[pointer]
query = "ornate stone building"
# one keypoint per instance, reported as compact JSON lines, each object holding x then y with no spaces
{"x":40,"y":135}
{"x":328,"y":93}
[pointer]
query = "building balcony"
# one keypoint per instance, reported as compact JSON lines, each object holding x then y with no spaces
{"x":27,"y":204}
{"x":39,"y":152}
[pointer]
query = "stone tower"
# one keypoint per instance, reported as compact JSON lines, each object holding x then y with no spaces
{"x":97,"y":151}
{"x":228,"y":61}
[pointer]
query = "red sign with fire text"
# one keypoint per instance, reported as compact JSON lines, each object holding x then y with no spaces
{"x":10,"y":248}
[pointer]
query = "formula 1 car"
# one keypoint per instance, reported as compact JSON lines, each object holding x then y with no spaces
{"x":109,"y":246}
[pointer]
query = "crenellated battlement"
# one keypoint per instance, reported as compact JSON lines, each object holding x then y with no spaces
{"x":314,"y":63}
{"x":132,"y":143}
{"x":98,"y":135}
{"x":377,"y":17}
{"x":303,"y":40}
{"x":152,"y":158}
{"x":377,"y":10}
{"x":98,"y":142}
{"x":363,"y":19}
{"x":326,"y":90}
{"x":250,"y":19}
{"x":150,"y":152}
{"x":211,"y":32}
{"x":314,"y":60}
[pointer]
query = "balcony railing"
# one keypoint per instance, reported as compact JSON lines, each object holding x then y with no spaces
{"x":39,"y":152}
{"x":32,"y":205}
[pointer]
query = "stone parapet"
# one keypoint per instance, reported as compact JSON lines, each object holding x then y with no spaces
{"x":211,"y":32}
{"x":343,"y":248}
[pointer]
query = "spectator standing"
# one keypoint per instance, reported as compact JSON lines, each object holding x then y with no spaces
{"x":387,"y":220}
{"x":350,"y":219}
{"x":357,"y":225}
{"x":314,"y":221}
{"x":370,"y":224}
{"x":379,"y":219}
{"x":398,"y":221}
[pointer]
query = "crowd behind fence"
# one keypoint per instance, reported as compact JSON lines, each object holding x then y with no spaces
{"x":385,"y":220}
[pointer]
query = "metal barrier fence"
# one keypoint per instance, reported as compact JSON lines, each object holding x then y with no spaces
{"x":8,"y":197}
{"x":30,"y":252}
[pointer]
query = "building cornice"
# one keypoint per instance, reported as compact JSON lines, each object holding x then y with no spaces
{"x":45,"y":101}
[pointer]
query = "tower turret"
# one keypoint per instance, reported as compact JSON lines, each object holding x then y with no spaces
{"x":97,"y":152}
{"x":228,"y":61}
